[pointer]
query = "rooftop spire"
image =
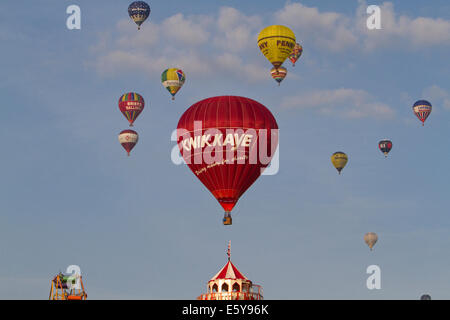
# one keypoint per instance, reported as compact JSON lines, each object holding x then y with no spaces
{"x":229,"y":250}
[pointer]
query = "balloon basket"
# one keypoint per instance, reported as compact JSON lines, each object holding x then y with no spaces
{"x":227,"y":220}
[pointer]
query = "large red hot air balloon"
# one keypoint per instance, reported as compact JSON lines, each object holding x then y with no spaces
{"x":227,"y":142}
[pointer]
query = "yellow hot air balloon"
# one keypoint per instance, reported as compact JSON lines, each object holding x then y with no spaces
{"x":276,"y":43}
{"x":339,"y":160}
{"x":370,"y":238}
{"x":173,"y":79}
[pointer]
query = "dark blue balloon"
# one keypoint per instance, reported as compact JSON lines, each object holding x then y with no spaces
{"x":139,"y":12}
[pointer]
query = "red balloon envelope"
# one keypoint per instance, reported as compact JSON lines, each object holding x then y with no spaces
{"x":128,"y":139}
{"x":227,"y":142}
{"x":131,"y":105}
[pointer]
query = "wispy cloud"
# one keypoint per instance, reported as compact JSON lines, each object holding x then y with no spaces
{"x":329,"y":30}
{"x":402,"y":31}
{"x":346,"y":103}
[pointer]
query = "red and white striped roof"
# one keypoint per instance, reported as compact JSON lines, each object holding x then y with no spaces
{"x":229,"y":271}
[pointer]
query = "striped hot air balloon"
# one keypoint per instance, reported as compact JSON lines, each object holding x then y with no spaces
{"x":278,"y":74}
{"x":131,"y":105}
{"x":296,"y":53}
{"x":422,"y":110}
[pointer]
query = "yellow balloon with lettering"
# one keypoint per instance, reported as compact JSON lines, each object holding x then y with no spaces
{"x":339,"y":160}
{"x":276,"y":43}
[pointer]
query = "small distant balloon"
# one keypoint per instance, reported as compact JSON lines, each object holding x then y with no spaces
{"x":128,"y":139}
{"x":425,"y":297}
{"x":139,"y":12}
{"x":296,"y":53}
{"x":385,"y":146}
{"x":370,"y":238}
{"x":278,"y":74}
{"x":422,"y":110}
{"x":339,"y":160}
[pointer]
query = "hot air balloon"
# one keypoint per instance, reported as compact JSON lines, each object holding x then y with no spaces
{"x":131,"y":105}
{"x":139,"y":12}
{"x":425,"y":297}
{"x":385,"y":146}
{"x":278,"y":74}
{"x":296,"y":53}
{"x":370,"y":238}
{"x":422,"y":109}
{"x":276,"y":43}
{"x":173,"y":79}
{"x":128,"y":139}
{"x":339,"y":160}
{"x":227,"y":142}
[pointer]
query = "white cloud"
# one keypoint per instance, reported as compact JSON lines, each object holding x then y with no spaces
{"x":184,"y":42}
{"x":329,"y":30}
{"x":236,"y":30}
{"x":401,"y":30}
{"x":190,"y":31}
{"x":347,"y":103}
{"x":337,"y":32}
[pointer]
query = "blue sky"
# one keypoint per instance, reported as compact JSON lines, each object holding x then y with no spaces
{"x":144,"y":228}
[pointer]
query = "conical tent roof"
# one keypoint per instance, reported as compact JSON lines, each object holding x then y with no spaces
{"x":229,"y":271}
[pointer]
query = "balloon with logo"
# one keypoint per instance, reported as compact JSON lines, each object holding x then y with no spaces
{"x":278,"y":74}
{"x":131,"y":105}
{"x":422,"y":110}
{"x":370,"y":238}
{"x":139,"y":12}
{"x":296,"y":53}
{"x":385,"y":146}
{"x":173,"y":79}
{"x":276,"y":43}
{"x":339,"y":160}
{"x":128,"y":139}
{"x":227,"y":142}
